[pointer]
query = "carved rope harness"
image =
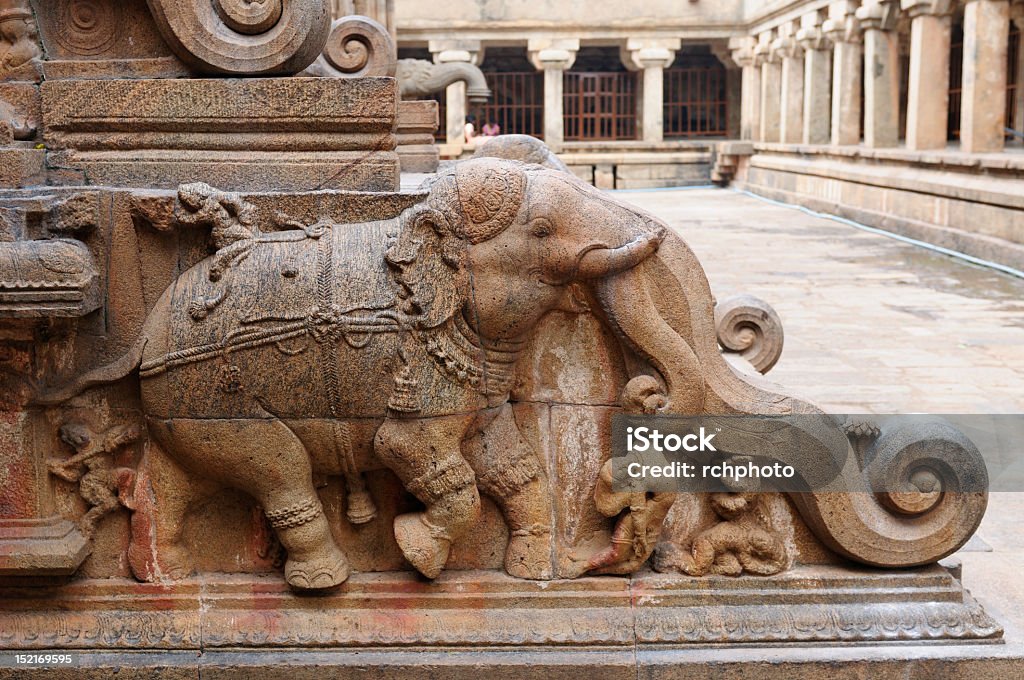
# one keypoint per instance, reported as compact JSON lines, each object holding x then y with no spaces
{"x":485,"y":366}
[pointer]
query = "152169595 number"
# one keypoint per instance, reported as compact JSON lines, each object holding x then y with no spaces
{"x":42,"y":659}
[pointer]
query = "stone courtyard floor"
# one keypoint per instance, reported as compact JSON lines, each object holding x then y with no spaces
{"x":874,"y":325}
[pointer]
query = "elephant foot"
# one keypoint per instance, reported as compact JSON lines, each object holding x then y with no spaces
{"x":319,"y":571}
{"x":361,"y":508}
{"x":529,"y":556}
{"x":424,"y":545}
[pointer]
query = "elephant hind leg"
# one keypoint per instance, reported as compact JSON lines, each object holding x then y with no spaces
{"x":265,"y":459}
{"x":162,"y":497}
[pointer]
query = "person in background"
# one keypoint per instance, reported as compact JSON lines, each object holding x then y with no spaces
{"x":472,"y":138}
{"x":491,"y":129}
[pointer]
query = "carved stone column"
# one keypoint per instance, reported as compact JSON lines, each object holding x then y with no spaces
{"x":817,"y":81}
{"x":446,"y":52}
{"x":983,"y":107}
{"x":651,"y":57}
{"x":554,"y":57}
{"x":843,"y":29}
{"x":882,"y":73}
{"x":791,"y":125}
{"x":750,"y":99}
{"x":771,"y":89}
{"x":928,"y":96}
{"x":1017,"y":15}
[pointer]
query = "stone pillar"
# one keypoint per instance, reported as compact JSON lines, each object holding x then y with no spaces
{"x":817,"y":81}
{"x":1017,"y":14}
{"x":447,"y":51}
{"x":928,"y":94}
{"x":882,"y":73}
{"x":554,"y":57}
{"x":983,"y":107}
{"x":771,"y":90}
{"x":843,"y":29}
{"x":750,"y":97}
{"x":651,"y":57}
{"x":791,"y":126}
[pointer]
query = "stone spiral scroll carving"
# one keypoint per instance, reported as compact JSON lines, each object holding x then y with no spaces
{"x":250,"y":17}
{"x":926,"y":490}
{"x":923,"y":465}
{"x":244,"y":37}
{"x":358,"y":47}
{"x":87,"y":27}
{"x":750,"y":327}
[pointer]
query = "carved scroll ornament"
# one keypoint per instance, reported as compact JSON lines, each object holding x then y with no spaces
{"x":244,"y":37}
{"x":357,"y":47}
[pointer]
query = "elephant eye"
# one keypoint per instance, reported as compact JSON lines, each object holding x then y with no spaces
{"x":541,"y":228}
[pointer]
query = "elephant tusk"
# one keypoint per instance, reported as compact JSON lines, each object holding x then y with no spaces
{"x":602,"y":262}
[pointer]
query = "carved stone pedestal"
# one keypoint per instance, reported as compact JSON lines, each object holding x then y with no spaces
{"x":417,"y":121}
{"x":294,"y":133}
{"x":587,"y":621}
{"x":263,"y":415}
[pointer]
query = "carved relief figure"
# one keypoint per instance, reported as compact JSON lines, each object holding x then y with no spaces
{"x":743,"y":541}
{"x":19,"y":37}
{"x":102,"y":486}
{"x":405,"y":332}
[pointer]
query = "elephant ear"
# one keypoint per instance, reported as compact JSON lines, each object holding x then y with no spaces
{"x":470,"y":204}
{"x":428,"y":267}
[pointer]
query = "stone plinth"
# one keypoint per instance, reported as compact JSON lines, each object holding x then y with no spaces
{"x":417,"y":121}
{"x":294,"y":133}
{"x":480,"y":609}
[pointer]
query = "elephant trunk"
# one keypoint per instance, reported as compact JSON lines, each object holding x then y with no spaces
{"x":626,"y":300}
{"x":426,"y":79}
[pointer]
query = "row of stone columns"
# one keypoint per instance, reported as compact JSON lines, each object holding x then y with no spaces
{"x":554,"y":56}
{"x":786,"y":96}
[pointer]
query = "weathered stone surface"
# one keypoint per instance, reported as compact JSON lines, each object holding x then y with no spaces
{"x":414,"y":136}
{"x":299,"y":133}
{"x":357,"y":47}
{"x":294,"y":388}
{"x":46,"y":279}
{"x":475,"y":609}
{"x":240,"y":37}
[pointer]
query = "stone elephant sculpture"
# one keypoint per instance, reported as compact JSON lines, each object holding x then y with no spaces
{"x":333,"y":349}
{"x":337,"y":348}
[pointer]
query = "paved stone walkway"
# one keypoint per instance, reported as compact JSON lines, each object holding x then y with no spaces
{"x":874,"y":325}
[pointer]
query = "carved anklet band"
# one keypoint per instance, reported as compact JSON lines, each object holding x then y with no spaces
{"x":507,"y":481}
{"x":295,"y":515}
{"x":453,"y":475}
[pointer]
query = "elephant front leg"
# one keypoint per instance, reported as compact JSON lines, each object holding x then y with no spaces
{"x":426,"y":455}
{"x":509,"y":471}
{"x":527,"y":511}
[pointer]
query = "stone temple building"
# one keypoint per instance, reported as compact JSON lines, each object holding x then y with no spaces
{"x":902,"y":114}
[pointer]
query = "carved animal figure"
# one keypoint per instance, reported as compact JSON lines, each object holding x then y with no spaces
{"x":344,"y":347}
{"x":743,"y":541}
{"x":421,"y":78}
